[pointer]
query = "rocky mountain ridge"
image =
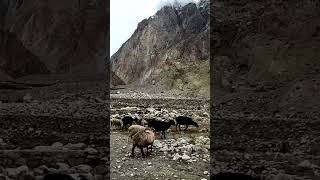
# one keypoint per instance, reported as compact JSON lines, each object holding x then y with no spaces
{"x":169,"y":49}
{"x":62,"y":36}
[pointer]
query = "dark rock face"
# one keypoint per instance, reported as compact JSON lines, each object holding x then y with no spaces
{"x":267,"y":47}
{"x":66,"y":36}
{"x":16,"y":60}
{"x":167,"y":49}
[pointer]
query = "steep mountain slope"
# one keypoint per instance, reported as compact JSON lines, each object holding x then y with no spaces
{"x":16,"y":60}
{"x":169,"y":49}
{"x":66,"y":36}
{"x":266,"y":54}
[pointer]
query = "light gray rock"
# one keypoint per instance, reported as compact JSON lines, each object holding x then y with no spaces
{"x":91,"y":151}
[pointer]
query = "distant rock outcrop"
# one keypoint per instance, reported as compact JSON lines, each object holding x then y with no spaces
{"x":170,"y":48}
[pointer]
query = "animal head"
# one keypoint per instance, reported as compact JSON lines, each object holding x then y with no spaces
{"x":195,"y":124}
{"x":135,"y":119}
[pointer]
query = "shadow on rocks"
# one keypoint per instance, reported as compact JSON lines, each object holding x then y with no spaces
{"x":232,"y":176}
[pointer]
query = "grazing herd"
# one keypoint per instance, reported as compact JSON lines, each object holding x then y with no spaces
{"x":143,"y":132}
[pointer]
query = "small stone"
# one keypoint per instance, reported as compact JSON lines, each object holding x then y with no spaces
{"x":205,"y":172}
{"x":84,"y":168}
{"x":131,"y":175}
{"x":62,"y":166}
{"x":77,"y":146}
{"x":176,"y":157}
{"x":306,"y":164}
{"x":15,"y":172}
{"x":157,"y":144}
{"x":57,"y":145}
{"x":27,"y":98}
{"x":91,"y":151}
{"x":185,"y":157}
{"x":175,"y":176}
{"x":149,"y":163}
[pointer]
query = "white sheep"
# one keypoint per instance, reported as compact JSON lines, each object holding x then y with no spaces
{"x":116,"y":122}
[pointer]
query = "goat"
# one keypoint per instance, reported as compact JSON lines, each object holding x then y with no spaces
{"x":128,"y":120}
{"x":183,"y":120}
{"x":160,"y":126}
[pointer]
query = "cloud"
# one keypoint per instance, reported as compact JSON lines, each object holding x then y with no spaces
{"x":162,"y":3}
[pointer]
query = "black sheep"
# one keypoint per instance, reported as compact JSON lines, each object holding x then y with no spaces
{"x":231,"y":176}
{"x":128,"y":120}
{"x":183,"y":120}
{"x":161,"y":126}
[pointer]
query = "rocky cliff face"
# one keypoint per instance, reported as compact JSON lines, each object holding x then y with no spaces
{"x":270,"y":48}
{"x":16,"y":60}
{"x":65,"y":36}
{"x":170,"y":48}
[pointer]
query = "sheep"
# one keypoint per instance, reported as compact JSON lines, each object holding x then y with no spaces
{"x":183,"y":120}
{"x":160,"y":126}
{"x":133,"y":129}
{"x":142,"y":139}
{"x":116,"y":122}
{"x":229,"y":175}
{"x":128,"y":120}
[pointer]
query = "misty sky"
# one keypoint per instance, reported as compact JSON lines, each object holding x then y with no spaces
{"x":126,"y":14}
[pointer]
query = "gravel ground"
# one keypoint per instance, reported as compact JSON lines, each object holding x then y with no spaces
{"x":156,"y":166}
{"x":164,"y":162}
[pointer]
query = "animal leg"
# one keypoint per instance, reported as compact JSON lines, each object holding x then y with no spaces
{"x":147,"y":151}
{"x":176,"y":127}
{"x":186,"y":127}
{"x":179,"y":128}
{"x":143,"y":155}
{"x":132,"y":151}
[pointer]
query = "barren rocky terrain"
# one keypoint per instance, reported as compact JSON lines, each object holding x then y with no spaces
{"x":182,"y":155}
{"x":57,"y":128}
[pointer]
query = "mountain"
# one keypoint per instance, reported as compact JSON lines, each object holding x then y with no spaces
{"x":169,"y":49}
{"x":16,"y":60}
{"x":64,"y":36}
{"x":266,"y":54}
